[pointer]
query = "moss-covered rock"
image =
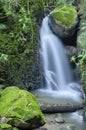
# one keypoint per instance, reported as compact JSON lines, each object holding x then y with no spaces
{"x":63,"y":20}
{"x":65,"y":14}
{"x":20,"y":108}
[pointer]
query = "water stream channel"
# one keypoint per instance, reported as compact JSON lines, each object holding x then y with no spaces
{"x":58,"y":85}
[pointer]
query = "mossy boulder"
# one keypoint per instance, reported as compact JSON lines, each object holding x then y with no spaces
{"x":20,"y":108}
{"x":63,"y":20}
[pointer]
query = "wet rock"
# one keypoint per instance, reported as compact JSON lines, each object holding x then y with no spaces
{"x":41,"y":129}
{"x":46,"y":11}
{"x":59,"y":119}
{"x":84,"y":114}
{"x":63,"y":20}
{"x":71,"y":50}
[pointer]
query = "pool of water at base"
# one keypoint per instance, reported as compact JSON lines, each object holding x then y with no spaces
{"x":75,"y":118}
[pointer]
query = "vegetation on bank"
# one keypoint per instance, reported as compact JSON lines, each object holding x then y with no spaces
{"x":18,"y":42}
{"x":81,"y":42}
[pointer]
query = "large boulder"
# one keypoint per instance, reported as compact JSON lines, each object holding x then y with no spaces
{"x":20,"y":109}
{"x":63,"y":20}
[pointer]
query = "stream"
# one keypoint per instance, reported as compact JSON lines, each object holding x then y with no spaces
{"x":73,"y":120}
{"x":58,"y":83}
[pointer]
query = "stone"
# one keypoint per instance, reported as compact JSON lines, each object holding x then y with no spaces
{"x":59,"y":119}
{"x":63,"y":20}
{"x":84,"y":114}
{"x":71,"y":51}
{"x":20,"y":108}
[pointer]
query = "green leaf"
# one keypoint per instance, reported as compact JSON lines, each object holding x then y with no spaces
{"x":2,"y":27}
{"x":4,"y":57}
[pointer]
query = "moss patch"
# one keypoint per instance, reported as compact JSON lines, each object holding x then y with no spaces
{"x":18,"y":42}
{"x":5,"y":127}
{"x":19,"y":107}
{"x":81,"y":42}
{"x":65,"y":14}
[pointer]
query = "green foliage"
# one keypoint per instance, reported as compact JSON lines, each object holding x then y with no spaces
{"x":82,"y":64}
{"x":81,"y":41}
{"x":65,"y":1}
{"x":4,"y":126}
{"x":3,"y":57}
{"x":2,"y":27}
{"x":73,"y":59}
{"x":83,"y":7}
{"x":19,"y":33}
{"x":84,"y":101}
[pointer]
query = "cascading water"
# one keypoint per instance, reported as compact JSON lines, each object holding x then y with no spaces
{"x":56,"y":70}
{"x":55,"y":65}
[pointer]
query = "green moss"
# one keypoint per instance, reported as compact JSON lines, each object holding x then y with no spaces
{"x":5,"y":127}
{"x":81,"y":42}
{"x":84,"y":101}
{"x":82,"y":64}
{"x":65,"y":14}
{"x":19,"y":105}
{"x":19,"y":33}
{"x":81,"y":39}
{"x":14,"y":128}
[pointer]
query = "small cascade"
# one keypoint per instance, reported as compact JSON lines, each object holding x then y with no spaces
{"x":56,"y":69}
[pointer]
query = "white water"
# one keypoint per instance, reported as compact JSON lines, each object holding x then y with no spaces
{"x":56,"y":69}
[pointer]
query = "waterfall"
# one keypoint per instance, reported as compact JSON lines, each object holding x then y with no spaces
{"x":56,"y":69}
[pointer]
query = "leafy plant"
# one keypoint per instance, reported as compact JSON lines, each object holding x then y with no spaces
{"x":3,"y":57}
{"x":18,"y":41}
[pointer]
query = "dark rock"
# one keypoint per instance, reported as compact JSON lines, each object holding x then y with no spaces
{"x":59,"y":120}
{"x":71,"y":50}
{"x":61,"y":108}
{"x":84,"y":114}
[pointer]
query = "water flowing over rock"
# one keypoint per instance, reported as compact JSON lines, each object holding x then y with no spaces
{"x":63,"y":20}
{"x":59,"y":80}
